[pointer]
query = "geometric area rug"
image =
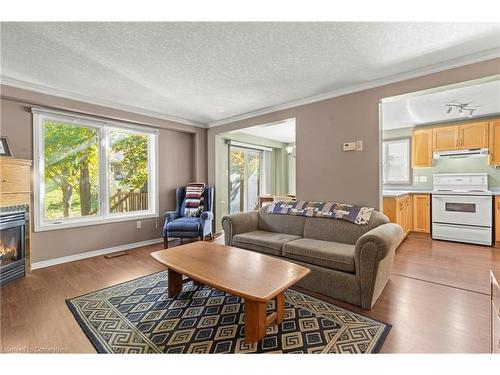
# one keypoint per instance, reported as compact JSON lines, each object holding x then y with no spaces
{"x":138,"y":317}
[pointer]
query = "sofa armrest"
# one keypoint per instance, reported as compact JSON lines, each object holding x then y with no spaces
{"x":170,"y":215}
{"x":239,"y":223}
{"x":207,"y":215}
{"x":374,"y":252}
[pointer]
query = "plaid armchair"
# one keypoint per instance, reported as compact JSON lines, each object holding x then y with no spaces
{"x":178,"y":225}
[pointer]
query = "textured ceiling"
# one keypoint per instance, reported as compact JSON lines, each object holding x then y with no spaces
{"x":210,"y":71}
{"x":283,"y":131}
{"x":429,"y":108}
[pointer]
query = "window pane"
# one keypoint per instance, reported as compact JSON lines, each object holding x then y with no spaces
{"x":396,"y":161}
{"x":253,"y":179}
{"x":71,"y":171}
{"x":236,"y":180}
{"x":128,"y":172}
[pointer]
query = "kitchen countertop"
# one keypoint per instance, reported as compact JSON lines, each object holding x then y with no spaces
{"x":394,"y":193}
{"x":495,"y":191}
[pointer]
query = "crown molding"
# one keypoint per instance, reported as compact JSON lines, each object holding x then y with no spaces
{"x":8,"y":81}
{"x":439,"y":67}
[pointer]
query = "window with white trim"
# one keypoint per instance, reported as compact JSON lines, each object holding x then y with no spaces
{"x":91,"y":171}
{"x":396,"y":161}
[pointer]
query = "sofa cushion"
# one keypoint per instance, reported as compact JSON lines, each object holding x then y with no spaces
{"x":262,"y":241}
{"x":278,"y":223}
{"x":333,"y":255}
{"x":337,"y":230}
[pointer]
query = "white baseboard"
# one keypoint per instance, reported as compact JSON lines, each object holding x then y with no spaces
{"x":90,"y":254}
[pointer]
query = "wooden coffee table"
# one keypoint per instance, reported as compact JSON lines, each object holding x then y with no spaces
{"x":255,"y":277}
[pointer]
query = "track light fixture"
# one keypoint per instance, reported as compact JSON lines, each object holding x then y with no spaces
{"x":462,"y":108}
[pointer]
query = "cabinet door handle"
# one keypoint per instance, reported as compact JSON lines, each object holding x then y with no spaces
{"x":5,"y":180}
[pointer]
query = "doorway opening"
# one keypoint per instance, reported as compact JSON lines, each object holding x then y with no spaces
{"x":254,"y":166}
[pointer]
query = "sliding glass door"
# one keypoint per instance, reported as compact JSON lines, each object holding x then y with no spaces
{"x":244,"y":178}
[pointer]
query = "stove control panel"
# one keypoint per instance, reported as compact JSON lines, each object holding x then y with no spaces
{"x":461,"y":181}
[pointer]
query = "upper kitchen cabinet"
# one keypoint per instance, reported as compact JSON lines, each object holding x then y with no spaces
{"x":460,"y":137}
{"x":494,"y":142}
{"x":446,"y":138}
{"x":474,"y":135}
{"x":421,"y":148}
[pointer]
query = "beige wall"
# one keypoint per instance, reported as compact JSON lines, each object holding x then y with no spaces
{"x":187,"y":153}
{"x":182,"y":151}
{"x":324,"y":172}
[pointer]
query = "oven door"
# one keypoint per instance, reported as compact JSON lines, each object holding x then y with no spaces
{"x":462,"y":209}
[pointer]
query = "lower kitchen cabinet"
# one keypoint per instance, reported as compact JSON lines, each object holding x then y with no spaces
{"x":421,"y":213}
{"x":497,"y":218}
{"x":399,"y":211}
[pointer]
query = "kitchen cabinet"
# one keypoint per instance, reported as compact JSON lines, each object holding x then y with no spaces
{"x":421,"y":148}
{"x":421,"y":213}
{"x":497,"y":218}
{"x":473,"y":135}
{"x":460,"y":137}
{"x":494,"y":142}
{"x":445,"y":138}
{"x":399,"y":211}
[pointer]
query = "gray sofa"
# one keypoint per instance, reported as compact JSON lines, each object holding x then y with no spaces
{"x":348,"y":262}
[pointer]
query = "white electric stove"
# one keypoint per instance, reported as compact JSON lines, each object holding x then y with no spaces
{"x":462,"y":208}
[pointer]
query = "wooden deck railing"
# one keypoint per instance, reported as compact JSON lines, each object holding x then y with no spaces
{"x":125,"y":201}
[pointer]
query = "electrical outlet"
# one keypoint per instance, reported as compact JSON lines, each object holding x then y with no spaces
{"x":139,"y":224}
{"x":359,"y":145}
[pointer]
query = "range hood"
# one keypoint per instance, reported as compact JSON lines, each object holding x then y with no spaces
{"x":468,"y":153}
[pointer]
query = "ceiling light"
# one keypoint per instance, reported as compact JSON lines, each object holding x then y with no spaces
{"x":462,"y":108}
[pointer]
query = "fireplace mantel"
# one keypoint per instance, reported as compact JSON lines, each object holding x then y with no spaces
{"x":15,"y":188}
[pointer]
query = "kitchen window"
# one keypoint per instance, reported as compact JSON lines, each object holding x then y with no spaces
{"x":396,"y":162}
{"x":91,"y":171}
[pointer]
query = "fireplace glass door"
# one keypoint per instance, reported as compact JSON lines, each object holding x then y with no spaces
{"x":10,"y":245}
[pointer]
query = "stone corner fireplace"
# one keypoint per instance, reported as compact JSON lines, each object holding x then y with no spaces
{"x":13,"y":242}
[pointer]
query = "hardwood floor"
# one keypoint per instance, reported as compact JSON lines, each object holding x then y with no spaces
{"x":436,"y":299}
{"x":449,"y":263}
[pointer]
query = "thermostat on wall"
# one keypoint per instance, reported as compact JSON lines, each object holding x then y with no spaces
{"x":353,"y":146}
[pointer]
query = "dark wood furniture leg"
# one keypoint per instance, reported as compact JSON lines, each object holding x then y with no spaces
{"x":165,"y":242}
{"x":174,"y":283}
